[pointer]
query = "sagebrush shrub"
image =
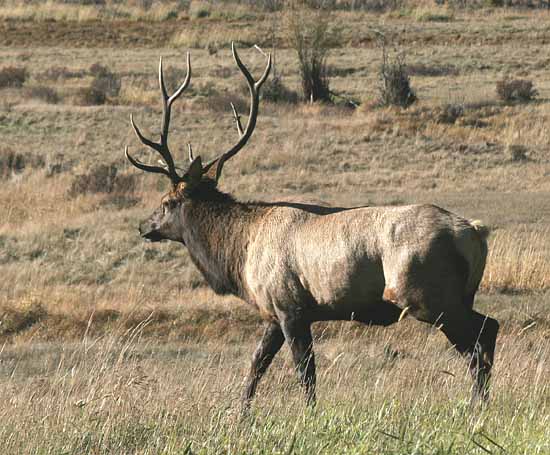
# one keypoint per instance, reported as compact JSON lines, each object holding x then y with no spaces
{"x":310,"y":36}
{"x":57,"y":73}
{"x":102,"y":178}
{"x":105,"y":85}
{"x":17,"y":319}
{"x":44,"y":93}
{"x":12,"y":76}
{"x":90,"y":96}
{"x":105,"y":81}
{"x":450,"y":113}
{"x":395,"y":85}
{"x":174,"y":77}
{"x":275,"y":91}
{"x":12,"y":162}
{"x":516,"y":90}
{"x":517,"y":152}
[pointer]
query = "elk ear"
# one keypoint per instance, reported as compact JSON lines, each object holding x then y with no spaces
{"x":213,"y":170}
{"x":194,"y":173}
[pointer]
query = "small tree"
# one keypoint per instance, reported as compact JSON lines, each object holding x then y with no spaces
{"x":310,"y":36}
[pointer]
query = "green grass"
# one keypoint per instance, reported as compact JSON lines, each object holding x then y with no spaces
{"x":379,"y":428}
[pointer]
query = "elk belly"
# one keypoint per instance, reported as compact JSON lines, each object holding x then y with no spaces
{"x":345,"y":282}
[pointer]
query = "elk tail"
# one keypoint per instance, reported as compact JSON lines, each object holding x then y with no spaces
{"x":482,"y":230}
{"x":477,"y":262}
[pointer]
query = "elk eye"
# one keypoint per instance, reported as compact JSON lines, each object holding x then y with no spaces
{"x":168,"y":205}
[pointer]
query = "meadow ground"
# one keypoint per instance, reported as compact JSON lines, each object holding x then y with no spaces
{"x":111,"y":345}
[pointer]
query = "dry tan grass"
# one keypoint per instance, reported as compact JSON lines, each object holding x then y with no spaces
{"x":518,"y":261}
{"x":52,"y":10}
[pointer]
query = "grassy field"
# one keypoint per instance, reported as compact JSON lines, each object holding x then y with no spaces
{"x":112,"y":345}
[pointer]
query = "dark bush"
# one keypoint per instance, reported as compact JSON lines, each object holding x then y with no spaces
{"x":57,"y":73}
{"x":221,"y":72}
{"x":421,"y":69}
{"x":395,"y":89}
{"x":395,"y":85}
{"x":310,"y":36}
{"x":173,"y":78}
{"x":348,"y":5}
{"x":221,"y":102}
{"x":12,"y":162}
{"x":516,"y":90}
{"x":102,"y":178}
{"x":41,"y":92}
{"x":89,"y":96}
{"x":57,"y":163}
{"x":275,"y":91}
{"x":16,"y":319}
{"x":105,"y":85}
{"x":335,"y":71}
{"x":98,"y":70}
{"x":105,"y":81}
{"x":450,"y":113}
{"x":517,"y":152}
{"x":12,"y":76}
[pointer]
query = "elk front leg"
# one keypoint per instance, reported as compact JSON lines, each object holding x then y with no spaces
{"x":271,"y":342}
{"x":298,"y":336}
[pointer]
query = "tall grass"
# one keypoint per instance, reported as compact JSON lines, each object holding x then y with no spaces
{"x":120,"y":394}
{"x":518,"y":260}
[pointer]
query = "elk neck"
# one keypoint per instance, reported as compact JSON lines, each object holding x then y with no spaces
{"x":215,"y":229}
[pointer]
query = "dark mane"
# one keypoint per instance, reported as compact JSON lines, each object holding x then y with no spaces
{"x":207,"y":191}
{"x":215,"y":232}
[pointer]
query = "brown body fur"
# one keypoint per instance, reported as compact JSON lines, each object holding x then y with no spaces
{"x":299,"y":263}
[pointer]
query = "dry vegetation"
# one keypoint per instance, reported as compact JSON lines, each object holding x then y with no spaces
{"x":111,"y":345}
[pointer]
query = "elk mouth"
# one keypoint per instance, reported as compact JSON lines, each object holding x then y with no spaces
{"x":152,"y":236}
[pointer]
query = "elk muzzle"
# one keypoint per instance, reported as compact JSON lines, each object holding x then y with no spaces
{"x":150,"y":232}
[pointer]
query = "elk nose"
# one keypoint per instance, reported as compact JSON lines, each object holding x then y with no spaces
{"x":145,"y":228}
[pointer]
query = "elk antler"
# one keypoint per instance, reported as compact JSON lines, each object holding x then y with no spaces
{"x":162,"y":146}
{"x":254,"y":87}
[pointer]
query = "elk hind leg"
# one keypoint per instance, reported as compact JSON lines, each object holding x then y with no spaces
{"x":298,"y":336}
{"x":474,"y":335}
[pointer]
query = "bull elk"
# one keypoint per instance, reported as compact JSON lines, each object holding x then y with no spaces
{"x":298,"y":263}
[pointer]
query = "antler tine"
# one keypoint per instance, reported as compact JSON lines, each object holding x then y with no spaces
{"x":266,"y":73}
{"x":162,"y":146}
{"x":142,"y":138}
{"x":167,"y":101}
{"x":190,"y":150}
{"x":254,"y":88}
{"x":145,"y":167}
{"x":237,"y":119}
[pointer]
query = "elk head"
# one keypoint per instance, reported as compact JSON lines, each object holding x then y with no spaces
{"x":199,"y":179}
